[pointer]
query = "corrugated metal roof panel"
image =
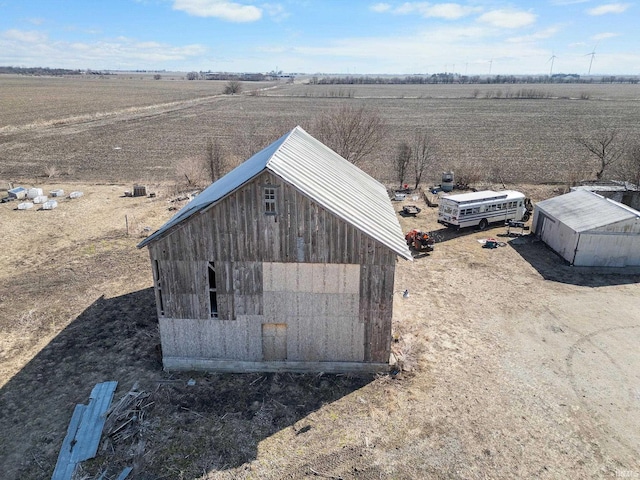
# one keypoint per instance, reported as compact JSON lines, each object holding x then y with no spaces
{"x":320,"y":173}
{"x":582,"y":210}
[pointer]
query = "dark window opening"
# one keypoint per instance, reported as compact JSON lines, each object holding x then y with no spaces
{"x":213,"y":294}
{"x":156,"y":275}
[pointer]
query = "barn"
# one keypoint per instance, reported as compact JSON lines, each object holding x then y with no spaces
{"x":587,"y":229}
{"x":287,"y":263}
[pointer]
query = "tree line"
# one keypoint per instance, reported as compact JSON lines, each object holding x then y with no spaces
{"x":447,"y":78}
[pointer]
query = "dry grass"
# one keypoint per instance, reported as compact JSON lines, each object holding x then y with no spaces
{"x":499,"y":377}
{"x":515,"y":365}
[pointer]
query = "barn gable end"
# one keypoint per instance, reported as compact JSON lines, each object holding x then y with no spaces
{"x":295,"y":286}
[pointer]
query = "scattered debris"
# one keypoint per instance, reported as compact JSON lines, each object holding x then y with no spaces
{"x":125,"y":418}
{"x":491,"y":243}
{"x":84,"y":431}
{"x":410,"y":210}
{"x":399,"y":196}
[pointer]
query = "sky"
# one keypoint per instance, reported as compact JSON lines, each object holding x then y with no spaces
{"x":473,"y":37}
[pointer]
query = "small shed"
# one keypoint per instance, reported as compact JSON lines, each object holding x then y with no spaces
{"x":587,"y":229}
{"x":287,"y":263}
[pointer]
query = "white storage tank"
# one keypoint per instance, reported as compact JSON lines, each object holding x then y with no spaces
{"x":75,"y":194}
{"x":57,"y":193}
{"x":25,"y":206}
{"x":49,"y":205}
{"x":40,"y":199}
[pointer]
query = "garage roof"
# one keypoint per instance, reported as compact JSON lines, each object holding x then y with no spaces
{"x":322,"y":175}
{"x":583,"y":210}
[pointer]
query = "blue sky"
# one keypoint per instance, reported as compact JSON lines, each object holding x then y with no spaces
{"x":474,"y":37}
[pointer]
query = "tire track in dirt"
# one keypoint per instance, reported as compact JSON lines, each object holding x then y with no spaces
{"x":350,"y":462}
{"x":588,"y":338}
{"x":80,"y":123}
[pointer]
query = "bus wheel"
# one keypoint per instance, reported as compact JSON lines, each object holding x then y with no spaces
{"x":525,"y":217}
{"x":483,"y":224}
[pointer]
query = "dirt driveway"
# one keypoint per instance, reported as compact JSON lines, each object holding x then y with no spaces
{"x":516,"y":365}
{"x":534,"y":364}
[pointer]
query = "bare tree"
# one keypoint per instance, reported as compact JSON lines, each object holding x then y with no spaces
{"x":604,"y":146}
{"x":192,"y":76}
{"x":403,"y":159}
{"x":352,"y":132}
{"x":630,"y":168}
{"x":191,"y":173}
{"x":233,"y":87}
{"x":424,"y":153}
{"x":215,"y":159}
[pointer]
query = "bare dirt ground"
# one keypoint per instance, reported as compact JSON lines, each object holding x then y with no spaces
{"x":515,"y":365}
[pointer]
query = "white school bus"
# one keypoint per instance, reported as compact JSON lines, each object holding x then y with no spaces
{"x":482,"y":208}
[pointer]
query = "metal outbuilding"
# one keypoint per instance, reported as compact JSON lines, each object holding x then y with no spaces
{"x":587,"y":229}
{"x":287,"y":263}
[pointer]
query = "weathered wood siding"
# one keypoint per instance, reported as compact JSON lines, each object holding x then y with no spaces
{"x":239,"y":238}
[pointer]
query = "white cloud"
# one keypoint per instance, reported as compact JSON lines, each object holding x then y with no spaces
{"x":230,"y":11}
{"x":36,"y":49}
{"x":276,"y":11}
{"x":568,"y":2}
{"x":508,"y":18}
{"x":609,"y":8}
{"x":540,"y":35}
{"x":381,"y":7}
{"x":447,"y":11}
{"x":25,"y":36}
{"x":605,"y":35}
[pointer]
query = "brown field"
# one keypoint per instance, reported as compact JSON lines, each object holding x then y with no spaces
{"x":110,"y":129}
{"x":515,"y":365}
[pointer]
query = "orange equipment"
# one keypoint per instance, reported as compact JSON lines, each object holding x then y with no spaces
{"x":419,"y":240}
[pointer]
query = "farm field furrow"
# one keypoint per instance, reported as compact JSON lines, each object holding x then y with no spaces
{"x":523,"y":140}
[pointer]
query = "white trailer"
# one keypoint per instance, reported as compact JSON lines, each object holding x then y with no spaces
{"x":479,"y":209}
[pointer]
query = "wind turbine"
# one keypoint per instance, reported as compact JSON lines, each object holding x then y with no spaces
{"x":553,"y":57}
{"x":593,"y":54}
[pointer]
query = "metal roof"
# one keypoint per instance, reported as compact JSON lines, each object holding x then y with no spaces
{"x":321,"y":174}
{"x":482,"y":195}
{"x":582,"y":210}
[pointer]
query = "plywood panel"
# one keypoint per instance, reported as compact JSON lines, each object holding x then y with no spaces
{"x":274,"y":342}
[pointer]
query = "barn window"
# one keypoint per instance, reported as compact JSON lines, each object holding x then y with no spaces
{"x":156,"y":276}
{"x":270,"y":201}
{"x":213,"y":293}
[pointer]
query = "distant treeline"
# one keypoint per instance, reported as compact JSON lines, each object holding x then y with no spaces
{"x":475,"y":79}
{"x":40,"y":71}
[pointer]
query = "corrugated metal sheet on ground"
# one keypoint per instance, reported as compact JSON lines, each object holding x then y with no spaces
{"x":84,"y":431}
{"x":322,"y":175}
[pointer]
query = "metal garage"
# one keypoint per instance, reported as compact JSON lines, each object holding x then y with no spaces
{"x":587,"y":229}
